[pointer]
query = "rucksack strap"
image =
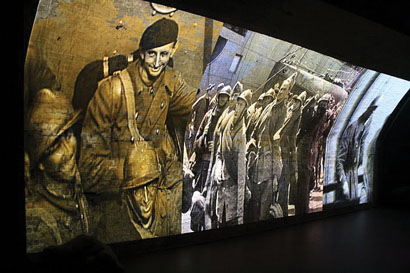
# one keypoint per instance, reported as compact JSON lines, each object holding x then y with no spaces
{"x":125,"y":79}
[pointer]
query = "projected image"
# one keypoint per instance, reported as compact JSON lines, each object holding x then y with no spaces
{"x":351,"y":142}
{"x":255,"y":146}
{"x":144,"y":121}
{"x":109,"y":88}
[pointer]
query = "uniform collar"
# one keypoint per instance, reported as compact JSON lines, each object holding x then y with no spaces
{"x":164,"y":79}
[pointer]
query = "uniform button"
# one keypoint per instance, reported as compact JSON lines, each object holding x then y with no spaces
{"x":162,"y":105}
{"x":132,"y":139}
{"x":136,"y":115}
{"x":157,"y":131}
{"x":76,"y":206}
{"x":151,"y":91}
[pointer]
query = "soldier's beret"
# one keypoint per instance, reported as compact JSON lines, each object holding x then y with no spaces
{"x":162,"y":32}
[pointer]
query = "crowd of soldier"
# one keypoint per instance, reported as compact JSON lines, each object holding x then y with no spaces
{"x":249,"y":161}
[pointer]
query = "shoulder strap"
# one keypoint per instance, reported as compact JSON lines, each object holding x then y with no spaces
{"x":124,"y":76}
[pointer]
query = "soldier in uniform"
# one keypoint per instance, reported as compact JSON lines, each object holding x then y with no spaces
{"x":56,"y":208}
{"x":313,"y":117}
{"x":265,"y":176}
{"x":131,"y":151}
{"x":236,"y":91}
{"x":203,"y":147}
{"x":213,"y":102}
{"x":287,"y":136}
{"x":252,"y":113}
{"x":199,"y":109}
{"x":237,"y":88}
{"x":275,"y":88}
{"x":255,"y":110}
{"x":229,"y":171}
{"x":331,"y":114}
{"x":349,"y":157}
{"x":204,"y":141}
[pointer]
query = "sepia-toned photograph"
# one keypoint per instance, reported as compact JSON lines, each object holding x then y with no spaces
{"x":109,"y":88}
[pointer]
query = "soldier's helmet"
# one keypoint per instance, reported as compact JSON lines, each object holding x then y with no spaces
{"x":238,"y":87}
{"x":276,"y":87}
{"x":261,"y":96}
{"x":227,"y":90}
{"x":373,"y":105}
{"x":374,"y":102}
{"x":290,"y":81}
{"x":301,"y":97}
{"x":50,"y":115}
{"x":326,"y":97}
{"x":220,"y":86}
{"x":271,"y":93}
{"x":246,"y":96}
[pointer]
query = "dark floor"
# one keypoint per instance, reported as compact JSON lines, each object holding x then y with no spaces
{"x":373,"y":240}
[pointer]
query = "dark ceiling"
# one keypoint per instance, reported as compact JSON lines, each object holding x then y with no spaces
{"x":392,"y":14}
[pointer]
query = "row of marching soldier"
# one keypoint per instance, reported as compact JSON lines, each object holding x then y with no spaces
{"x":250,"y":161}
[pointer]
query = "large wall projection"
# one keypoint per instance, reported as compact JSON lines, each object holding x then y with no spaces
{"x":145,"y":121}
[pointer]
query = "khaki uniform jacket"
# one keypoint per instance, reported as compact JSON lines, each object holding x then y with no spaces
{"x":161,"y":114}
{"x":268,"y":161}
{"x":253,"y":113}
{"x":206,"y":131}
{"x":290,"y":129}
{"x":229,"y":170}
{"x":55,"y":213}
{"x":349,"y":156}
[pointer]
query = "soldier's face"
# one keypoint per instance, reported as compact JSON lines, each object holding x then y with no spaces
{"x":296,"y":104}
{"x":156,"y":59}
{"x":222,"y":100}
{"x":60,"y":160}
{"x":266,"y":101}
{"x":323,"y":105}
{"x":283,"y":91}
{"x":145,"y":197}
{"x":239,"y":107}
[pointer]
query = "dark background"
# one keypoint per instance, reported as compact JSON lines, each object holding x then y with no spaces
{"x":372,"y":34}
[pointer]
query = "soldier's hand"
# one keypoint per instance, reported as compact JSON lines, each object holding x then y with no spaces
{"x":252,"y":159}
{"x":248,"y":194}
{"x":345,"y":187}
{"x":207,"y":206}
{"x":275,"y":184}
{"x":204,"y":191}
{"x":210,"y":145}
